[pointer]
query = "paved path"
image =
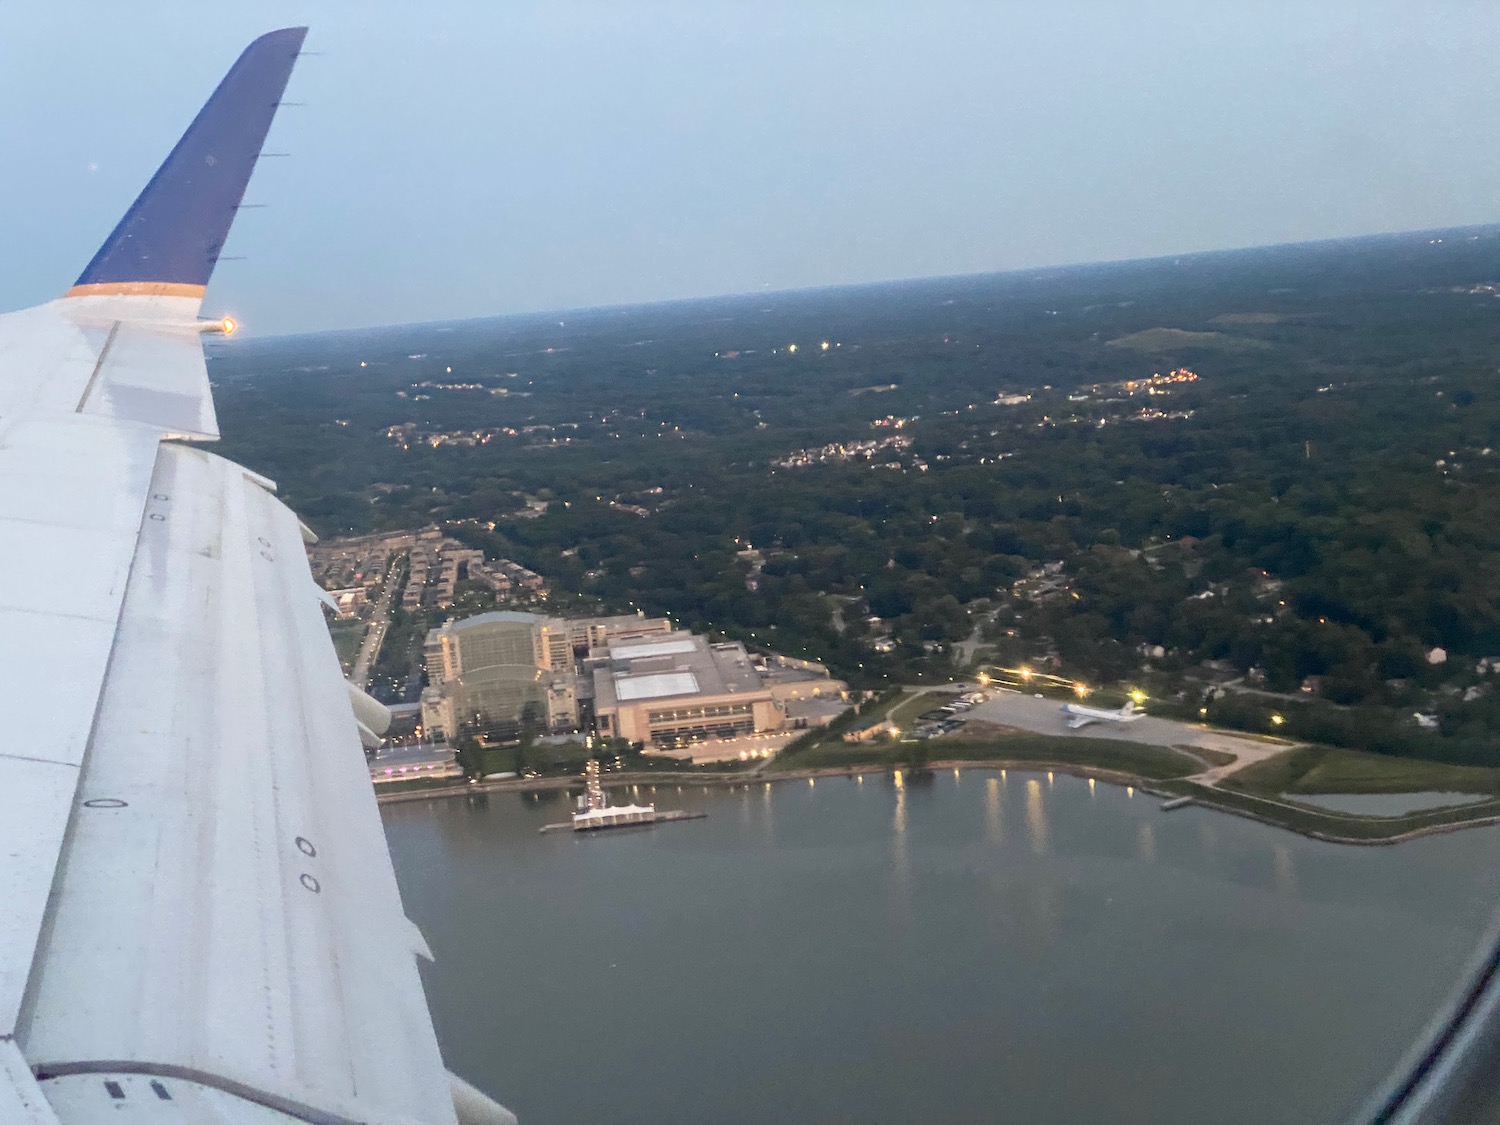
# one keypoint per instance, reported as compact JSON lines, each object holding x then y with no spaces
{"x":1044,"y":716}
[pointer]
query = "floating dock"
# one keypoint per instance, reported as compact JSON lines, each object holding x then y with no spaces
{"x":595,"y":811}
{"x":656,"y":818}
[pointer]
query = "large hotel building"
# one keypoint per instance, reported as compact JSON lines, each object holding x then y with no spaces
{"x":628,"y":677}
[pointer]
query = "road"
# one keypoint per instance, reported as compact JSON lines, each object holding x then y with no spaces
{"x":1044,"y":716}
{"x":375,"y":635}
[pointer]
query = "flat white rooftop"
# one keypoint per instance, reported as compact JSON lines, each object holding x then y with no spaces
{"x":650,"y":648}
{"x":656,"y":686}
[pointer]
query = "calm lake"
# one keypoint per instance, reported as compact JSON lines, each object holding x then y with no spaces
{"x":970,"y":948}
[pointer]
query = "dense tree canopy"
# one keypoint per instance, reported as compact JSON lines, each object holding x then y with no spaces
{"x":1319,"y":509}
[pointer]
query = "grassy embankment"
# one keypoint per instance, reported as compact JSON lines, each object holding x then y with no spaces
{"x":1136,"y":759}
{"x":1322,"y":769}
{"x":1257,"y":791}
{"x":829,"y":751}
{"x":1268,"y":790}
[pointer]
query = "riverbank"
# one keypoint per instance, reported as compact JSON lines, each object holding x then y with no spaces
{"x":1162,"y":772}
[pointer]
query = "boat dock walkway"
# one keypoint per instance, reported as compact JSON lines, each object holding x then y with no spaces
{"x":659,"y":818}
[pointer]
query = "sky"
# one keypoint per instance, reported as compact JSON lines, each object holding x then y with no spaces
{"x":458,"y":160}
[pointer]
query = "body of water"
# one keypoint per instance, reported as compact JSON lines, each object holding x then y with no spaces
{"x":1383,"y":804}
{"x":982,"y":947}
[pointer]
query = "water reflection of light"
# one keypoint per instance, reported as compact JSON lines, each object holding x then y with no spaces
{"x":900,"y":854}
{"x":899,"y":779}
{"x":992,"y":826}
{"x":1049,"y":777}
{"x":1036,"y":817}
{"x":1091,"y":787}
{"x":955,"y":774}
{"x":1145,"y":842}
{"x":1130,"y":790}
{"x":812,"y":782}
{"x":1286,"y":874}
{"x":859,"y":777}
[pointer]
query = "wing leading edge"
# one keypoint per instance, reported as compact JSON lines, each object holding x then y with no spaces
{"x":200,"y":919}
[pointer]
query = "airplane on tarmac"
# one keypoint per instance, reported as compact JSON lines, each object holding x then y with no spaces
{"x":1081,"y":716}
{"x":199,"y":920}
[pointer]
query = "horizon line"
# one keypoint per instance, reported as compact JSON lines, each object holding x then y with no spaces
{"x":575,"y":310}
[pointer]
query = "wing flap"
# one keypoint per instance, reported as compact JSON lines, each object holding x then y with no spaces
{"x":237,"y":915}
{"x":21,"y":1100}
{"x":69,"y":515}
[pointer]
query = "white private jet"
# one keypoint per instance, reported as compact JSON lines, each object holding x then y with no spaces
{"x":1081,"y":716}
{"x":199,"y":920}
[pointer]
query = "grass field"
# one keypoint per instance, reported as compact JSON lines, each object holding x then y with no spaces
{"x":347,"y":637}
{"x":909,"y":706}
{"x":1148,"y":762}
{"x":1327,"y":770}
{"x":1212,"y":757}
{"x":1154,"y":340}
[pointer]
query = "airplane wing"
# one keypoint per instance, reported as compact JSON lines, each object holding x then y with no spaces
{"x":1077,"y":719}
{"x":198,"y":915}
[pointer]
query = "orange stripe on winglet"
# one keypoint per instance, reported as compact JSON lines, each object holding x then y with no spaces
{"x":136,"y":289}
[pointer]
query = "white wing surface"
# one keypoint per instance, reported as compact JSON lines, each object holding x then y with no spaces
{"x":198,"y":916}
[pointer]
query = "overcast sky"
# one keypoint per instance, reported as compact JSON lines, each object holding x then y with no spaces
{"x":484,"y":158}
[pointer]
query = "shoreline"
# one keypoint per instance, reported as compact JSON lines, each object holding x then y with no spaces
{"x":1199,"y":794}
